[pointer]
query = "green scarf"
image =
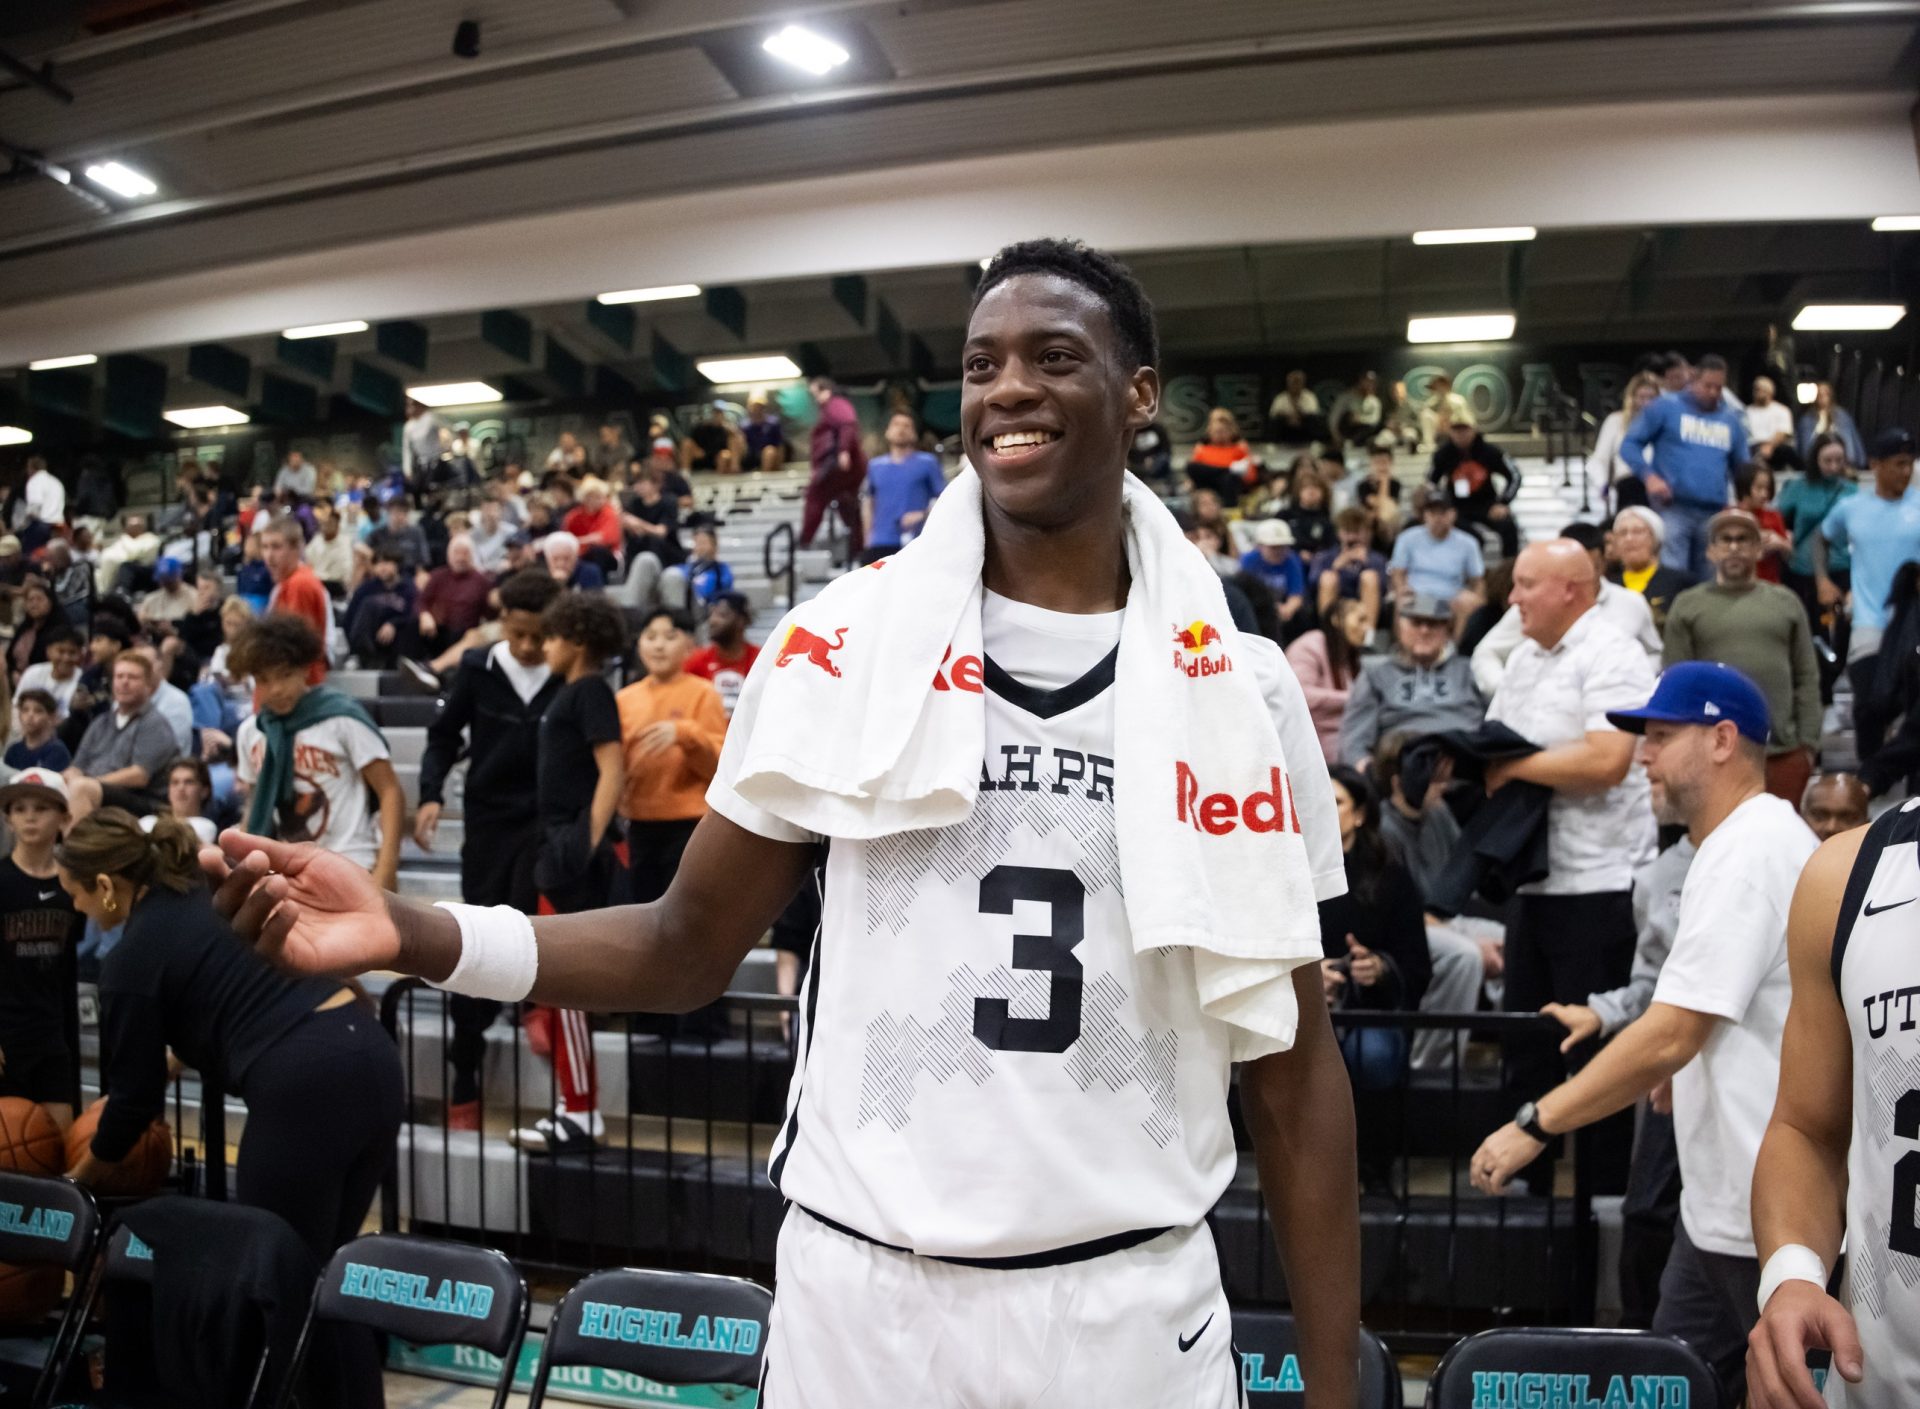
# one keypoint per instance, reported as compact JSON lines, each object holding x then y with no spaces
{"x":274,"y":785}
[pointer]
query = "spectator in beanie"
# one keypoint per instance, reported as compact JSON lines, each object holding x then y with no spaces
{"x":1423,"y":687}
{"x":1635,"y":541}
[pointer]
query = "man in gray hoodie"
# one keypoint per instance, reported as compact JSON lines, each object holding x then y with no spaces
{"x":1422,"y":688}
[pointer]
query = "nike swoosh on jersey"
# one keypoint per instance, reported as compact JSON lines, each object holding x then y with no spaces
{"x":47,"y":895}
{"x":1872,"y":909}
{"x":1188,"y":1342}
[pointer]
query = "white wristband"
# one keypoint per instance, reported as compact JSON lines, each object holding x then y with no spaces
{"x":498,"y":956}
{"x":1794,"y":1262}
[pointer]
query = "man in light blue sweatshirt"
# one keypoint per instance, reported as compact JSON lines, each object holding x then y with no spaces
{"x":1698,"y":438}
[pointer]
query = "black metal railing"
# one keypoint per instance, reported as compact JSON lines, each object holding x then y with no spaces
{"x":782,"y":533}
{"x":680,"y":1178}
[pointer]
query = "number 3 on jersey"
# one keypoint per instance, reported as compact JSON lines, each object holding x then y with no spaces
{"x":993,"y":1023}
{"x":1904,"y":1234}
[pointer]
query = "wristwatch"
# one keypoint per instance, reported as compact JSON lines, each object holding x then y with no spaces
{"x":1528,"y":1119}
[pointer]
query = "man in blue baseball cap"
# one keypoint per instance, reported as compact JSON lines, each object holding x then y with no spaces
{"x":170,"y":600}
{"x":1719,"y":1009}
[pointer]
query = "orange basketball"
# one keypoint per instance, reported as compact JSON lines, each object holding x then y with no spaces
{"x":29,"y":1138}
{"x":144,"y":1169}
{"x":27,"y":1294}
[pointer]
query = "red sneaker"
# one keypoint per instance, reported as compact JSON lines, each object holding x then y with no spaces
{"x":463,"y":1115}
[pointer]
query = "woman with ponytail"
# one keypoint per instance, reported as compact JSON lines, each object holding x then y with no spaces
{"x":321,"y":1080}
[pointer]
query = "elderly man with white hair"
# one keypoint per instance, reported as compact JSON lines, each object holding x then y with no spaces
{"x":454,"y":601}
{"x":562,"y":553}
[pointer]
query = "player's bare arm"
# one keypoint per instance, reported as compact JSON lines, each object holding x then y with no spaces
{"x":1299,"y":1110}
{"x":319,"y":913}
{"x":1800,"y":1181}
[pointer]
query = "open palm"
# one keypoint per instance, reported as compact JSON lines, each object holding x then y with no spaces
{"x":307,"y":909}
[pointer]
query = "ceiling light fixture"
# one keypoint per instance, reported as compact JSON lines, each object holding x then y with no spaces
{"x":1886,"y":223}
{"x":804,"y":49}
{"x":1848,"y":317}
{"x":15,"y":435}
{"x":1460,"y":327}
{"x":122,"y":180}
{"x":454,"y":394}
{"x":204,"y":418}
{"x":771,"y":367}
{"x":54,"y":364}
{"x":327,"y":330}
{"x":1490,"y":235}
{"x":652,"y":295}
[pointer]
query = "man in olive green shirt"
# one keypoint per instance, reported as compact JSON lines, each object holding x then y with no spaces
{"x":1760,"y":629}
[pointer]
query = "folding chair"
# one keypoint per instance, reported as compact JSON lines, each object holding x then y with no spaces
{"x":1519,"y":1365}
{"x":424,"y":1291}
{"x":675,"y":1328}
{"x":52,"y":1223}
{"x":1267,"y":1347}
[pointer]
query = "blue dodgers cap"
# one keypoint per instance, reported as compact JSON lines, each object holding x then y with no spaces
{"x":1701,"y":692}
{"x":168,"y":567}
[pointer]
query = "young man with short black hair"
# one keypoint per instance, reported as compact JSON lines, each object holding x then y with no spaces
{"x":728,"y":655}
{"x":491,"y":713}
{"x":900,"y":487}
{"x":37,"y":746}
{"x":1033,"y":1158}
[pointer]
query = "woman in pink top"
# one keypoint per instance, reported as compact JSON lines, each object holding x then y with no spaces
{"x":1326,"y":662}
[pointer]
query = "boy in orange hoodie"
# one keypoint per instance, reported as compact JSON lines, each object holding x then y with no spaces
{"x":671,"y":727}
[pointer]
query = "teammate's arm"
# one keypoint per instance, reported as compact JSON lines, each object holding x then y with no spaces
{"x":1299,"y":1110}
{"x":1800,"y":1179}
{"x":319,"y":913}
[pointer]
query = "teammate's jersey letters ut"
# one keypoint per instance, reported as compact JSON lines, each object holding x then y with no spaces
{"x":979,"y":979}
{"x":1876,"y":967}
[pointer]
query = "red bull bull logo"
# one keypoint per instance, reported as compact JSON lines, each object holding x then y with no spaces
{"x":1216,"y":814}
{"x":1193,"y":651}
{"x":802,"y":644}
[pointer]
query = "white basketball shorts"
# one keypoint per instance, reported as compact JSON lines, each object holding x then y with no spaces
{"x":860,"y":1326}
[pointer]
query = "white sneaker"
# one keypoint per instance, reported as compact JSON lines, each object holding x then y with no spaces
{"x":563,"y":1132}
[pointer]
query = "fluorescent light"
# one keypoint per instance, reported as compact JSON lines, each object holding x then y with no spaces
{"x":15,"y":435}
{"x":653,"y":295}
{"x":987,"y":263}
{"x":1805,"y":392}
{"x":771,"y":368}
{"x":1492,"y":234}
{"x":1464,"y":327}
{"x":201,"y":418}
{"x":1896,"y":222}
{"x":804,"y":49}
{"x":454,"y":394}
{"x":327,"y":330}
{"x":54,"y":364}
{"x":1848,"y":317}
{"x":121,"y":179}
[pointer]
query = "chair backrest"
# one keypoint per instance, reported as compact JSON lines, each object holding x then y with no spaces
{"x":426,"y":1291}
{"x":1268,"y":1346}
{"x":46,"y":1222}
{"x":1518,"y":1365}
{"x":676,"y":1328}
{"x":128,"y":1258}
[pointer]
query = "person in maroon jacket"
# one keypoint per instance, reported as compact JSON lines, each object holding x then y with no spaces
{"x":454,"y":601}
{"x":839,"y":466}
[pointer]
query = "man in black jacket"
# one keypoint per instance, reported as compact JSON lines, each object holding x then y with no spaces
{"x":498,"y":695}
{"x":1464,"y":469}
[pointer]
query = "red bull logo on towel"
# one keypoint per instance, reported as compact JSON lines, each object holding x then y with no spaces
{"x":802,"y":644}
{"x":1216,"y":814}
{"x":1194,"y":653}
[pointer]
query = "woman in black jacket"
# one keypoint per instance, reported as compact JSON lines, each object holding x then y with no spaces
{"x":320,"y":1078}
{"x":1374,"y":939}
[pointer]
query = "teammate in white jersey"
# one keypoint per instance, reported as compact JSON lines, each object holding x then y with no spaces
{"x":1007,"y":1127}
{"x":1842,"y":1155}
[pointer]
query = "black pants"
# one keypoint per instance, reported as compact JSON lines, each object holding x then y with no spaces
{"x":1869,"y":722}
{"x":324,"y":1104}
{"x":654,"y":850}
{"x":1648,"y":1216}
{"x":1707,"y":1300}
{"x":1560,"y":948}
{"x":496,"y":868}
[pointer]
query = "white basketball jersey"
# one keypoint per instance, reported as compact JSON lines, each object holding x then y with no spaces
{"x":987,"y":1068}
{"x":1876,"y":966}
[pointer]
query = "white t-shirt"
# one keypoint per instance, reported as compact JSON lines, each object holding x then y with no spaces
{"x":1595,"y":841}
{"x":330,"y":802}
{"x":1765,"y":422}
{"x":966,"y":1092}
{"x":1729,"y":959}
{"x":41,"y":677}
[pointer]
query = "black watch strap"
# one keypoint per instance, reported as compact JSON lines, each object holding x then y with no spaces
{"x":1528,"y":1119}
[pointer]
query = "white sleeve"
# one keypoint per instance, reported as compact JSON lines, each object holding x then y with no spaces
{"x":721,"y":796}
{"x":361,"y":744}
{"x":1306,"y":764}
{"x":1490,"y":656}
{"x":243,"y":747}
{"x":1732,"y":934}
{"x":1618,"y":677}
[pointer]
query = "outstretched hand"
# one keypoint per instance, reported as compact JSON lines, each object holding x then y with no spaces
{"x":307,"y":909}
